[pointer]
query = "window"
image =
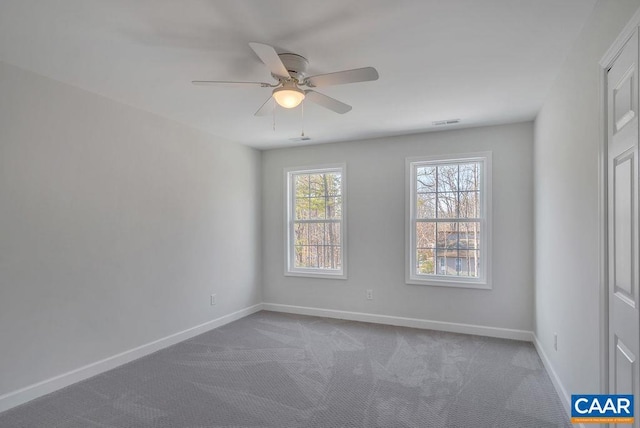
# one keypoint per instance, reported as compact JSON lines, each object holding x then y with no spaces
{"x":449,"y":220}
{"x":315,"y":222}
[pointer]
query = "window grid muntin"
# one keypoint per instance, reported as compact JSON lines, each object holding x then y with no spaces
{"x":457,"y":248}
{"x":335,"y":194}
{"x":420,"y":169}
{"x":316,"y":246}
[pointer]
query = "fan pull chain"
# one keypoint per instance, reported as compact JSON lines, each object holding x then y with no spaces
{"x":302,"y":113}
{"x":274,"y":119}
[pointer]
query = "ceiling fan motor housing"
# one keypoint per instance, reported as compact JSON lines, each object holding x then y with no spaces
{"x":295,"y":64}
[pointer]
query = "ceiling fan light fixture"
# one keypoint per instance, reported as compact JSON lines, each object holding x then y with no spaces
{"x":288,"y":96}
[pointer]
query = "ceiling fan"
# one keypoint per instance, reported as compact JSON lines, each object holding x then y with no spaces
{"x":289,"y":70}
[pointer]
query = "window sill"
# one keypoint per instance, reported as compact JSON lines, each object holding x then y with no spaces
{"x":484,"y":285}
{"x":320,"y":275}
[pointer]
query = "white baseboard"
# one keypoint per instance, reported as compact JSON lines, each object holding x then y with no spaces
{"x":39,"y":389}
{"x":565,"y":398}
{"x":504,"y":333}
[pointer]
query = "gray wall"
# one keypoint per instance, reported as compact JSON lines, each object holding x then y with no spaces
{"x":567,"y":139}
{"x":115,"y":227}
{"x":376,"y":229}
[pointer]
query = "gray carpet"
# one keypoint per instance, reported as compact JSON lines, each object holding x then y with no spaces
{"x":278,"y":370}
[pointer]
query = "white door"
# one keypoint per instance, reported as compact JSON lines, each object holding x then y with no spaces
{"x":623,"y":227}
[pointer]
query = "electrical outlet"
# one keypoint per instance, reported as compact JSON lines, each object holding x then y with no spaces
{"x":214,"y":300}
{"x":369,"y":294}
{"x":555,"y":341}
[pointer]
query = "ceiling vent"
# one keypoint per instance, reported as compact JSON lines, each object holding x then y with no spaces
{"x":299,"y":139}
{"x":445,"y":122}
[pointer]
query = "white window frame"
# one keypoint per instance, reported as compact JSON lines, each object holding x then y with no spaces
{"x":412,"y":277}
{"x":289,"y":264}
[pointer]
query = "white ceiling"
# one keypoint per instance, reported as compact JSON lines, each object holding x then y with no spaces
{"x":482,"y":61}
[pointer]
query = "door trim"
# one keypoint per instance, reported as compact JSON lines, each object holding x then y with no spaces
{"x":603,"y":266}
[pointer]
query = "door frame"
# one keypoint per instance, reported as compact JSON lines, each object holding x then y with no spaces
{"x":603,"y":236}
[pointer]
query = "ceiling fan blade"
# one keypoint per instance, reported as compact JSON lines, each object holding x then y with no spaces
{"x":341,"y":77}
{"x":269,"y":56}
{"x":266,"y":108}
{"x":327,"y":102}
{"x":227,"y":83}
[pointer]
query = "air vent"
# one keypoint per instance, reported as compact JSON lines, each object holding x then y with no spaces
{"x":445,"y":122}
{"x":299,"y":139}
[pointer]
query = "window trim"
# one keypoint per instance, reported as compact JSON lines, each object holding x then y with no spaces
{"x":484,"y":282}
{"x":289,"y":269}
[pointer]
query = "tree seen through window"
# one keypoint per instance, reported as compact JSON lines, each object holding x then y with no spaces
{"x":448,"y":219}
{"x":317,"y":220}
